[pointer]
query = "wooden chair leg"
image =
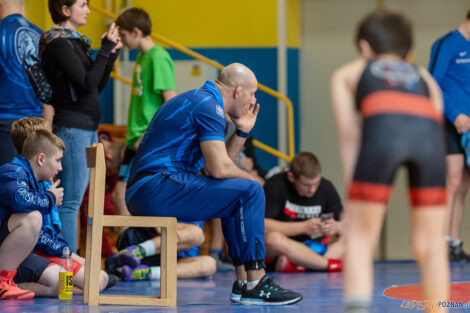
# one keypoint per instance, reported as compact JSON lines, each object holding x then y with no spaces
{"x":95,"y":261}
{"x":86,"y":289}
{"x":168,"y":263}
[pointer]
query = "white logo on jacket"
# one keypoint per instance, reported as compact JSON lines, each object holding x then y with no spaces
{"x":219,"y":110}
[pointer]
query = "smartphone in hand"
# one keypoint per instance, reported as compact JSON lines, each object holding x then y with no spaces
{"x":326,"y":216}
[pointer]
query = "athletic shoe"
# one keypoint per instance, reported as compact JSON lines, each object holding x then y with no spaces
{"x":9,"y":290}
{"x":141,"y":272}
{"x":129,"y":256}
{"x":335,"y":265}
{"x":237,"y":291}
{"x":456,"y":253}
{"x":465,"y":144}
{"x":268,"y":293}
{"x":112,"y":280}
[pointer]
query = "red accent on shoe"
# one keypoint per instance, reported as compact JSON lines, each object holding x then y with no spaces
{"x":9,"y":290}
{"x":335,"y":265}
{"x":290,"y":267}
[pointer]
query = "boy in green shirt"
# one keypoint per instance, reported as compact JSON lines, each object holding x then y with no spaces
{"x":153,"y":83}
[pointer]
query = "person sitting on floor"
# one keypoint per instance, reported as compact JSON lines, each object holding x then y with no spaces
{"x":139,"y":255}
{"x":50,"y":243}
{"x":302,"y":219}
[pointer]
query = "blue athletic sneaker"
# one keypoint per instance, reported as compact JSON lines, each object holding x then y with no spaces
{"x":465,"y":143}
{"x":268,"y":293}
{"x":237,"y":291}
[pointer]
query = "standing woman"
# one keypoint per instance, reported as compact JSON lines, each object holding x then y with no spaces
{"x":76,"y":82}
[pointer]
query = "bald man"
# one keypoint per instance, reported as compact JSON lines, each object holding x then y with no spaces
{"x":18,"y":40}
{"x":185,"y":138}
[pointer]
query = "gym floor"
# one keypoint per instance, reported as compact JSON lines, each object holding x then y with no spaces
{"x":322,"y":293}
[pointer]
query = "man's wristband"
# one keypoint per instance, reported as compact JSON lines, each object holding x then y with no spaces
{"x":241,"y":133}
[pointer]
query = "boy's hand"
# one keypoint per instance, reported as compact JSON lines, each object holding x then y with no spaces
{"x":329,"y":227}
{"x":311,"y":226}
{"x":58,"y":192}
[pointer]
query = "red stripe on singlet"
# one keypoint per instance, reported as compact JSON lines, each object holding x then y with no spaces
{"x":428,"y":196}
{"x":369,"y":192}
{"x":383,"y":102}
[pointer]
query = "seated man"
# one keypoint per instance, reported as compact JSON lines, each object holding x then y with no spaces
{"x":301,"y":206}
{"x":185,"y":137}
{"x":138,"y":257}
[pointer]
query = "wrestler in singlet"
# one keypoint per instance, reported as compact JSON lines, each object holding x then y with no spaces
{"x":400,"y":127}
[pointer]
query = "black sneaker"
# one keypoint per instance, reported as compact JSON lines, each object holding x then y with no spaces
{"x":456,"y":253}
{"x":237,"y":291}
{"x":268,"y":293}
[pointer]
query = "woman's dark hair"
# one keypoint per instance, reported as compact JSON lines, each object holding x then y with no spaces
{"x":55,"y":8}
{"x":386,"y":31}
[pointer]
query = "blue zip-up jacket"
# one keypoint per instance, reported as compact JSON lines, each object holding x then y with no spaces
{"x":22,"y":192}
{"x":50,"y":240}
{"x":450,"y":66}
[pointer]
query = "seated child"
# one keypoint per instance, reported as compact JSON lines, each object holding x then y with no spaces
{"x":50,"y":242}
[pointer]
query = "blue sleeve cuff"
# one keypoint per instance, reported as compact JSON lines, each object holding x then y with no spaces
{"x":206,"y":138}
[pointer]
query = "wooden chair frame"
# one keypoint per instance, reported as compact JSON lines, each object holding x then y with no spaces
{"x":97,"y":220}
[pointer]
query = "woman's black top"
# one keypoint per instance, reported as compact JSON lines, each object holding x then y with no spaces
{"x":77,"y":80}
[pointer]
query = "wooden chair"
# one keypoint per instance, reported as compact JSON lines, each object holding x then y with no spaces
{"x":97,"y":220}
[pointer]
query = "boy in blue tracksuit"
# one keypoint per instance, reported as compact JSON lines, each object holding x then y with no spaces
{"x":50,"y":241}
{"x":22,"y":201}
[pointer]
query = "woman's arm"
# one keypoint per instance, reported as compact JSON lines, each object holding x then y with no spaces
{"x":70,"y":63}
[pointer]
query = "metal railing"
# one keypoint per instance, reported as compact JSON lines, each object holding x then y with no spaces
{"x":290,"y":109}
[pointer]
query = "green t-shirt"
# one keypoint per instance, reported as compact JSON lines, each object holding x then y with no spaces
{"x":153,"y":73}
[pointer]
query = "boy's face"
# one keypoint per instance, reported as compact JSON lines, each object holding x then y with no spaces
{"x":305,"y":187}
{"x":50,"y":165}
{"x":129,"y":38}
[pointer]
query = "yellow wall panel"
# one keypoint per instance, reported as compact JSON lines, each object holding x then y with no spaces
{"x":197,"y":23}
{"x":37,"y":12}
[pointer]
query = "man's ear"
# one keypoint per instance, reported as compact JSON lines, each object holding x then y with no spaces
{"x":40,"y":159}
{"x":291,"y":177}
{"x":236,"y":92}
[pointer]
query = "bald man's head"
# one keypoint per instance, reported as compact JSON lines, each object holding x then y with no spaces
{"x":9,"y":7}
{"x":236,"y":74}
{"x":16,"y":3}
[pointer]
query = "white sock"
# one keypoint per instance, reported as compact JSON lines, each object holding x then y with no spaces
{"x":357,"y":304}
{"x":455,"y":242}
{"x":242,"y":282}
{"x":149,"y":247}
{"x":155,"y":273}
{"x":252,"y":284}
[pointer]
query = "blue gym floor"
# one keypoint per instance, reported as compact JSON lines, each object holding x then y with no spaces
{"x":322,"y":293}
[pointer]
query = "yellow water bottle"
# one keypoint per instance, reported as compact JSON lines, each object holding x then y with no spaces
{"x":66,"y":275}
